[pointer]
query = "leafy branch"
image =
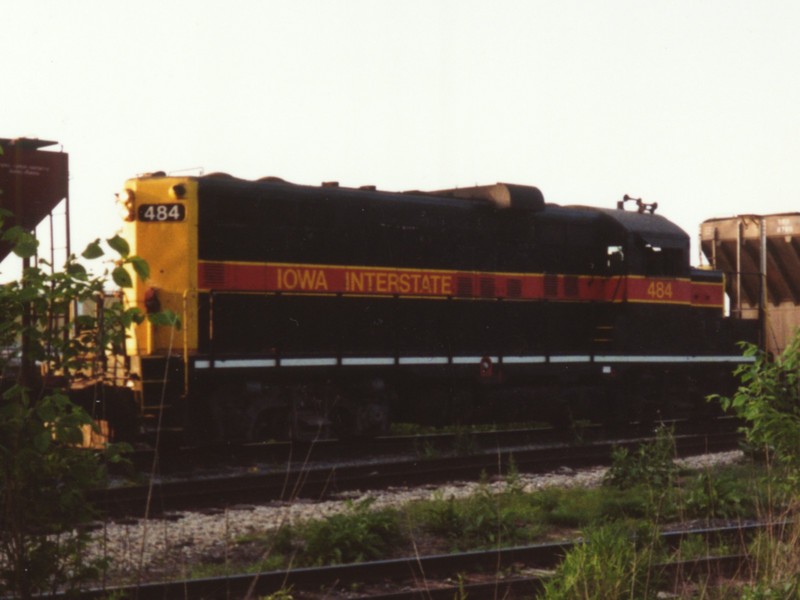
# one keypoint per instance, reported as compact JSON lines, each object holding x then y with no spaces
{"x":768,"y":400}
{"x":44,"y":475}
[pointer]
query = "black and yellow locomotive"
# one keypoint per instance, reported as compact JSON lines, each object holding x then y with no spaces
{"x":328,"y":309}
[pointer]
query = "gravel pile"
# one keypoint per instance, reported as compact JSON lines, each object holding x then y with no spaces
{"x":172,"y":545}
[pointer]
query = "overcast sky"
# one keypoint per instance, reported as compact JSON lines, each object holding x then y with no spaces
{"x":691,"y":104}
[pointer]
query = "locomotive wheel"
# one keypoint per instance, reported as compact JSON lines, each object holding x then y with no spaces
{"x":373,"y":418}
{"x":369,"y":420}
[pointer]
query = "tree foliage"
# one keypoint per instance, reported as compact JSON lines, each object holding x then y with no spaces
{"x":768,"y":400}
{"x":44,"y":474}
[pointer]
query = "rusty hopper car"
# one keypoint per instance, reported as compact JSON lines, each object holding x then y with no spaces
{"x":760,"y":257}
{"x":329,"y":309}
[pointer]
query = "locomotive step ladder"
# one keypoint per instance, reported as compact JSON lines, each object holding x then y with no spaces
{"x":160,"y":385}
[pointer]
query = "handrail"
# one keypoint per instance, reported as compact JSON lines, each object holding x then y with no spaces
{"x":185,"y":322}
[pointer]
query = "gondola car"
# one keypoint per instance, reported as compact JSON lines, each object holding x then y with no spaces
{"x":327,"y":310}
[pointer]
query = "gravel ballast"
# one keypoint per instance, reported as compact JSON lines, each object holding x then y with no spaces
{"x":170,"y":547}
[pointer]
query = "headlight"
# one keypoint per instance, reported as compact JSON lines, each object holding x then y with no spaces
{"x":125,"y":203}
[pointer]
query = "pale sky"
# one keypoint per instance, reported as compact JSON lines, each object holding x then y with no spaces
{"x":691,"y":104}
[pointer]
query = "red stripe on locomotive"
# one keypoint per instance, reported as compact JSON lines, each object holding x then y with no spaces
{"x":301,"y":278}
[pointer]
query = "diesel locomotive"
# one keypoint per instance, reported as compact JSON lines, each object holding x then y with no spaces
{"x":329,"y":310}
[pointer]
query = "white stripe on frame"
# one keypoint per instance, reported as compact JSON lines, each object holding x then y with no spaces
{"x":308,"y":362}
{"x":570,"y":359}
{"x":253,"y":363}
{"x":260,"y":363}
{"x":524,"y":360}
{"x":672,"y":359}
{"x":360,"y":362}
{"x":423,"y":360}
{"x":473,"y":360}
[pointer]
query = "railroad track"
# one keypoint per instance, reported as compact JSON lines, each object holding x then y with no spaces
{"x":176,"y":460}
{"x":504,"y":573}
{"x":321,"y":482}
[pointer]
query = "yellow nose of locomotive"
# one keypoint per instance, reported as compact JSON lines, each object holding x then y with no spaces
{"x":160,"y":216}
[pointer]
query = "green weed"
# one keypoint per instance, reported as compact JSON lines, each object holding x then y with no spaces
{"x":356,"y":535}
{"x":776,"y":564}
{"x":768,"y":400}
{"x":464,"y":442}
{"x":719,"y":495}
{"x":482,"y":520}
{"x":580,"y":507}
{"x":651,"y":464}
{"x":612,"y":563}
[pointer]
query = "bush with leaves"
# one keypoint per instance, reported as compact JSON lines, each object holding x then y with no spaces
{"x":768,"y":400}
{"x":485,"y":519}
{"x":718,"y":495}
{"x":651,"y":464}
{"x":44,"y":478}
{"x":37,"y":310}
{"x":44,"y":474}
{"x":356,"y":535}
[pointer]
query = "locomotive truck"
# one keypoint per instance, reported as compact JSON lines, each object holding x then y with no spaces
{"x":330,"y":310}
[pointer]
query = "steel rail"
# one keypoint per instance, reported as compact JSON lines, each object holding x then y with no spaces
{"x":320,"y":483}
{"x":421,"y":576}
{"x":177,"y":458}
